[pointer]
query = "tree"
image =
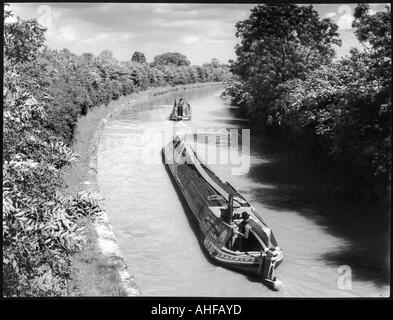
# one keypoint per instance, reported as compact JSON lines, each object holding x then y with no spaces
{"x":40,"y":227}
{"x":374,"y":29}
{"x":279,"y":43}
{"x":106,"y":55}
{"x":375,"y":32}
{"x":138,"y":57}
{"x":22,"y":39}
{"x":171,"y":58}
{"x":215,"y":63}
{"x":339,"y":114}
{"x":88,"y":56}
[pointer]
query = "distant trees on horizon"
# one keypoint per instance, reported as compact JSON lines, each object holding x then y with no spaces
{"x":138,"y":57}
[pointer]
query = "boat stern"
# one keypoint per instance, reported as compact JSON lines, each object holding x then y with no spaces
{"x":269,"y":261}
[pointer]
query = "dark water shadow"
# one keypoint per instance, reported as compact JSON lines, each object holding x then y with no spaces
{"x":298,"y":187}
{"x":234,"y":112}
{"x":285,"y":184}
{"x":229,"y":123}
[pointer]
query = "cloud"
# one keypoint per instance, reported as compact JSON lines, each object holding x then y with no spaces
{"x":379,"y":4}
{"x":193,"y":12}
{"x":330,"y":14}
{"x":67,"y":33}
{"x":160,"y":10}
{"x":103,"y":38}
{"x":174,"y":23}
{"x":200,"y":31}
{"x":189,"y":39}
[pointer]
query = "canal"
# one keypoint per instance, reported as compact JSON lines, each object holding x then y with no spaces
{"x":329,"y":250}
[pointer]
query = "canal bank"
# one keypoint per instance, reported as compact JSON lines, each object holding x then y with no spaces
{"x":100,"y":268}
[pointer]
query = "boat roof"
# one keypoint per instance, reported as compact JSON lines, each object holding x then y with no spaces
{"x":203,"y":173}
{"x":217,"y":191}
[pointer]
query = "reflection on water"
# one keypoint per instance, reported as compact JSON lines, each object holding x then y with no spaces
{"x":157,"y":236}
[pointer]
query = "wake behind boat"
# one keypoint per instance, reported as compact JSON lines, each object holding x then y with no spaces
{"x":181,"y":110}
{"x":218,"y":209}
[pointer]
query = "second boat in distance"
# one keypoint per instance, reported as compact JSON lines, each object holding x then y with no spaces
{"x":181,"y":110}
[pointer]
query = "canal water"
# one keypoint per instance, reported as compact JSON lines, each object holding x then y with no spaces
{"x":329,"y":251}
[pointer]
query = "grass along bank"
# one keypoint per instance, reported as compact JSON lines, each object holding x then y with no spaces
{"x":99,"y":269}
{"x":93,"y":272}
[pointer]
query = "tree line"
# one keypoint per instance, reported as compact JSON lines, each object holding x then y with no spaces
{"x":44,"y":93}
{"x":336,"y":113}
{"x":80,"y":82}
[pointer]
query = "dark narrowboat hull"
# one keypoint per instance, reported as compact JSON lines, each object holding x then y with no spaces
{"x":262,"y":265}
{"x":178,"y":118}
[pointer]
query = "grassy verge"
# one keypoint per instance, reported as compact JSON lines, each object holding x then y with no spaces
{"x":94,"y":274}
{"x":77,"y":176}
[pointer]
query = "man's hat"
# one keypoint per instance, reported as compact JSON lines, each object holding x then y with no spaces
{"x":245,"y":215}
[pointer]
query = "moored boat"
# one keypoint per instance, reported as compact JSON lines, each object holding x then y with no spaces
{"x":181,"y":110}
{"x":218,"y":207}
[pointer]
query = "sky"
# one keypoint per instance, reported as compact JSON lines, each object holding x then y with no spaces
{"x":200,"y":31}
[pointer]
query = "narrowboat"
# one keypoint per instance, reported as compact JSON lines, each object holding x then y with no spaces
{"x":181,"y":110}
{"x":218,"y":209}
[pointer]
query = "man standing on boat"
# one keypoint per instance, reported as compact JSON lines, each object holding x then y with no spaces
{"x":243,"y":232}
{"x":186,"y":108}
{"x":175,"y":108}
{"x":180,"y":110}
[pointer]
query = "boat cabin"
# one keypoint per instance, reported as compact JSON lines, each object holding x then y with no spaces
{"x":181,"y":110}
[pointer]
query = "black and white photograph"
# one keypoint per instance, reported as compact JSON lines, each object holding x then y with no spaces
{"x":203,"y":150}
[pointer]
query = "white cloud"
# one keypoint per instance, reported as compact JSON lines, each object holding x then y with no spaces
{"x":217,"y":42}
{"x":161,"y":10}
{"x":330,"y":14}
{"x":67,"y":33}
{"x":108,"y":37}
{"x":379,"y":4}
{"x":201,"y":31}
{"x":189,"y":39}
{"x":193,"y":12}
{"x":174,"y":23}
